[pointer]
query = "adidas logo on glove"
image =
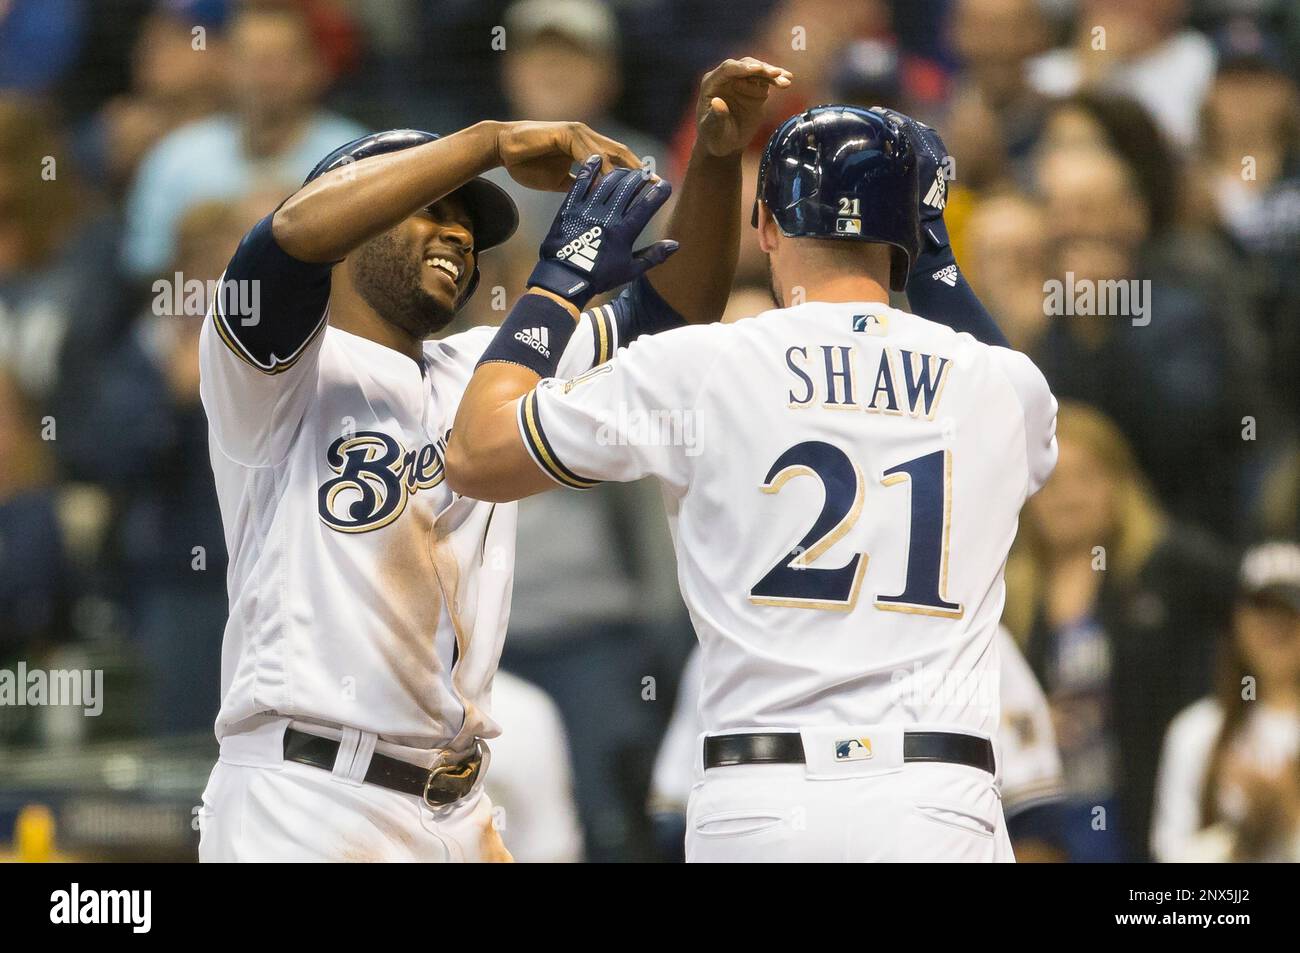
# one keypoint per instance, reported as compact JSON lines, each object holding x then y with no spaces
{"x":582,"y":249}
{"x":539,"y":339}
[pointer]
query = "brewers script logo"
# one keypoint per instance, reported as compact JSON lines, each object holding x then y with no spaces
{"x":376,"y":476}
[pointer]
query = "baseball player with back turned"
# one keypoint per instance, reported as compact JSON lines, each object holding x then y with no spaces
{"x":368,"y":601}
{"x":841,"y":519}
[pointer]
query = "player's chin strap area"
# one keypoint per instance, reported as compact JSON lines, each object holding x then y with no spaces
{"x":446,"y":782}
{"x":787,"y":747}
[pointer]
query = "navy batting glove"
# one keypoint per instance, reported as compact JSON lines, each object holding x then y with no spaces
{"x":589,"y":247}
{"x":933,"y":170}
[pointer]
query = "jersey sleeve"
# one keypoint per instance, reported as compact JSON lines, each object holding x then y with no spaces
{"x":600,"y":332}
{"x":260,"y":346}
{"x":638,"y":310}
{"x":1039,"y":408}
{"x":637,"y":415}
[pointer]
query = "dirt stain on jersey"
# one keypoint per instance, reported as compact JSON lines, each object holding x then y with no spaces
{"x":410,"y":605}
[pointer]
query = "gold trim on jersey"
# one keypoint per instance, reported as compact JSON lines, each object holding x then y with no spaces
{"x":539,"y":448}
{"x":846,"y":606}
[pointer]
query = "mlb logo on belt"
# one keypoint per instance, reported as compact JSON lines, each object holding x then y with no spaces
{"x":853,"y":749}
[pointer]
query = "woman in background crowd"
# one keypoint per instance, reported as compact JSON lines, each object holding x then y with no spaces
{"x":1116,"y":605}
{"x":1169,"y":318}
{"x":1229,"y":784}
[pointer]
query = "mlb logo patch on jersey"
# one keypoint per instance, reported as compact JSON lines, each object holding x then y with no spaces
{"x":848,"y":226}
{"x":870,"y":324}
{"x":853,"y":749}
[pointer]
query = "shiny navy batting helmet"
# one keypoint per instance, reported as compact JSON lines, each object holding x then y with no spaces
{"x":840,"y":172}
{"x":490,"y":208}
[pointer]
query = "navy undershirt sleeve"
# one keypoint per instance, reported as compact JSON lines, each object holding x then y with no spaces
{"x":271,"y":304}
{"x":938,"y":291}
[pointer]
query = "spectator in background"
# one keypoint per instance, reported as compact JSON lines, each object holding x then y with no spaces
{"x":1004,"y":254}
{"x":275,"y":133}
{"x":58,"y":282}
{"x":1139,"y":49}
{"x":33,"y":567}
{"x":1250,"y":163}
{"x":1185,"y":344}
{"x":168,"y":537}
{"x":39,"y":42}
{"x":1116,"y":605}
{"x":172,"y":83}
{"x":562,"y":63}
{"x":1229,"y":784}
{"x":995,"y":116}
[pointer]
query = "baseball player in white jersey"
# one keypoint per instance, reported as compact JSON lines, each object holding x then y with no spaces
{"x":841,"y":513}
{"x":368,"y":601}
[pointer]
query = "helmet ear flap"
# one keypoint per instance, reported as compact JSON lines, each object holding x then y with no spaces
{"x":900,"y":266}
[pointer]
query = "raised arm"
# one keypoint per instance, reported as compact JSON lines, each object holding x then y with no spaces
{"x":329,"y":217}
{"x":936,"y":288}
{"x":705,"y":220}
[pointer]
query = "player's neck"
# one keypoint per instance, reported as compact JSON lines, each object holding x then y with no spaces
{"x":349,"y":312}
{"x":838,"y":288}
{"x":355,"y":317}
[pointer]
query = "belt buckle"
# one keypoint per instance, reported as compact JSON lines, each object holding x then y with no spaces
{"x":449,"y":781}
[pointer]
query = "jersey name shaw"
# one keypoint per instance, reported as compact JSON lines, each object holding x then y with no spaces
{"x":833,"y":376}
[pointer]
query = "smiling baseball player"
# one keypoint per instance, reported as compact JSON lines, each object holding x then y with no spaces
{"x":368,"y":601}
{"x":841,"y":518}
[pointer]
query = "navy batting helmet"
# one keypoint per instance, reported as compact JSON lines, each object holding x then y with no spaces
{"x":490,"y":208}
{"x":847,"y":173}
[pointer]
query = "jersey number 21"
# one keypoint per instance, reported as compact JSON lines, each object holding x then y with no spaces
{"x":796,"y":583}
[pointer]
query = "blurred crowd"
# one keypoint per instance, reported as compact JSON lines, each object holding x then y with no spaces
{"x":1152,"y":144}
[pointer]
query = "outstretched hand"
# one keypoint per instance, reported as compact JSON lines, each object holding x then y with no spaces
{"x":539,"y":155}
{"x":589,"y":247}
{"x":731,"y":101}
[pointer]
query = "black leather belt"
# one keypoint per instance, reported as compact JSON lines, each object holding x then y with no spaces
{"x":786,"y":747}
{"x":446,"y":782}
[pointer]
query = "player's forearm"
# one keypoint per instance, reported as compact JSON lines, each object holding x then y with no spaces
{"x":937,"y":290}
{"x":705,"y":223}
{"x":328,"y":218}
{"x":486,"y":459}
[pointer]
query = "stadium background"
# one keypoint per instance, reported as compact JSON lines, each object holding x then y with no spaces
{"x":1154,"y":141}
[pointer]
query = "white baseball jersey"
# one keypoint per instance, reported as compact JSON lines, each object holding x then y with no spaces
{"x":363,"y":592}
{"x":843,"y":483}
